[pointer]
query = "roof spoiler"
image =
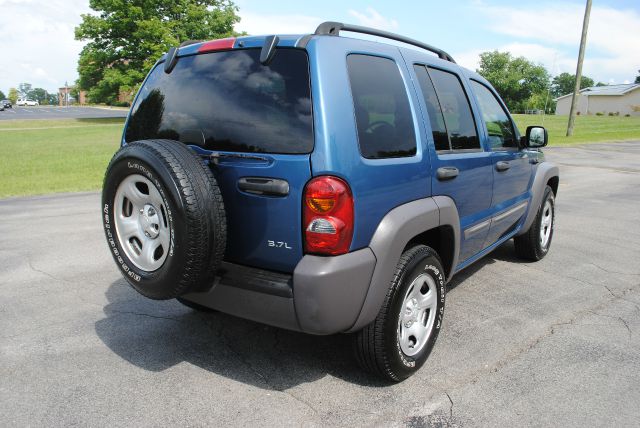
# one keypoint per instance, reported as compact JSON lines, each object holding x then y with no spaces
{"x":330,"y":28}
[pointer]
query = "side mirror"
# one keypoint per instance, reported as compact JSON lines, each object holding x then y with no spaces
{"x":536,"y":137}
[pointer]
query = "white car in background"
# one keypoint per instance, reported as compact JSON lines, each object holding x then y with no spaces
{"x":26,"y":102}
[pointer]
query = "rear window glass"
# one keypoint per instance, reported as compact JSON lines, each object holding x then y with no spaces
{"x":228,"y":101}
{"x":383,"y":116}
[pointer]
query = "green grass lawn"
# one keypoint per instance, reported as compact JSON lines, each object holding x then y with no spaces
{"x":587,"y":129}
{"x":47,"y":156}
{"x":69,"y":155}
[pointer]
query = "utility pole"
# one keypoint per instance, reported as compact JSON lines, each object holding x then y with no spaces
{"x":576,"y":89}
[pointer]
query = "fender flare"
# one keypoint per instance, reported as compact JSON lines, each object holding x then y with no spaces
{"x":394,"y":232}
{"x":544,"y":172}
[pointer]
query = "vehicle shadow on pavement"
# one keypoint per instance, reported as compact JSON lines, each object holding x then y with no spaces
{"x":158,"y":335}
{"x":506,"y":252}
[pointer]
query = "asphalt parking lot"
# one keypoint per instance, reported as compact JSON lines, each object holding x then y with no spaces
{"x":55,"y":112}
{"x":553,"y":343}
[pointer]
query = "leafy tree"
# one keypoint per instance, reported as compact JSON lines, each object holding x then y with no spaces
{"x":638,"y":77}
{"x":565,"y":83}
{"x":40,"y":95}
{"x":601,"y":84}
{"x":2,"y":96}
{"x":53,"y":99}
{"x":515,"y":79}
{"x":13,"y":95}
{"x":24,"y":89}
{"x":74,"y":91}
{"x":126,"y":37}
{"x":540,"y":101}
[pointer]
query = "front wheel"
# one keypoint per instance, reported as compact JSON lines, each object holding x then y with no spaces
{"x":398,"y":342}
{"x":534,"y":244}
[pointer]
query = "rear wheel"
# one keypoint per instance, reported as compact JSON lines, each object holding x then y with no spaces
{"x":534,"y":244}
{"x":398,"y":342}
{"x":164,"y":218}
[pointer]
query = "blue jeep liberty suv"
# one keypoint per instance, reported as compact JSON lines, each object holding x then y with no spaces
{"x":322,"y":184}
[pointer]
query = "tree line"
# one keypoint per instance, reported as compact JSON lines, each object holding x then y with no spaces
{"x":125,"y":38}
{"x":524,"y":85}
{"x":26,"y":90}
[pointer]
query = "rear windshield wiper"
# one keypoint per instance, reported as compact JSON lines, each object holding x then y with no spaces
{"x":214,"y":157}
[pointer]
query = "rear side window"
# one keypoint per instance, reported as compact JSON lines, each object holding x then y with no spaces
{"x":228,"y":101}
{"x":456,"y":110}
{"x":381,"y":105}
{"x":438,"y":128}
{"x":499,"y":125}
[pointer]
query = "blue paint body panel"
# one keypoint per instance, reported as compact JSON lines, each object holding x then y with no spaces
{"x":253,"y":221}
{"x":378,"y":185}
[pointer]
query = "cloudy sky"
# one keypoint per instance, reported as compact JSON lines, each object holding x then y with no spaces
{"x":38,"y":47}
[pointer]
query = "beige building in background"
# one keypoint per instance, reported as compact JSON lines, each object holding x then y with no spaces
{"x":622,"y":99}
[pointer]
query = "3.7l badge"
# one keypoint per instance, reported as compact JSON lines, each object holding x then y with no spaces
{"x":278,"y":244}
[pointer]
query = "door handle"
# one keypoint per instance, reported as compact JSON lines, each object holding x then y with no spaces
{"x":502,"y":165}
{"x":447,"y":173}
{"x":264,"y":186}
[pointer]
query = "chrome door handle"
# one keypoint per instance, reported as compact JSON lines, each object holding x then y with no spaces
{"x":502,"y":166}
{"x":447,"y":173}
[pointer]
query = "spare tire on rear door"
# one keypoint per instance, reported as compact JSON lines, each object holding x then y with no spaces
{"x":164,"y":218}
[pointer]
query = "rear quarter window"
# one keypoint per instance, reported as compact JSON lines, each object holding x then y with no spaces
{"x":383,"y":115}
{"x":228,"y":101}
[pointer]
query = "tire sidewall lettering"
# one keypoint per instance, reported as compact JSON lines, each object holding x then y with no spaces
{"x":114,"y":247}
{"x":112,"y":240}
{"x":437,"y":275}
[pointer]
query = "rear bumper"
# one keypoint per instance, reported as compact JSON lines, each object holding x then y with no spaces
{"x":323,"y":296}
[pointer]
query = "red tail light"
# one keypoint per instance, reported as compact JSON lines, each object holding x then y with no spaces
{"x":327,"y":216}
{"x":217,"y":45}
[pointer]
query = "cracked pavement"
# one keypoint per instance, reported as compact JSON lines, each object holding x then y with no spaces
{"x":550,"y":343}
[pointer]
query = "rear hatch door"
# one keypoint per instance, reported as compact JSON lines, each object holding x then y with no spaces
{"x":254,"y":123}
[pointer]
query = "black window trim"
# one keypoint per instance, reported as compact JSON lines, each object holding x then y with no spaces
{"x":426,"y":68}
{"x":464,"y":91}
{"x":416,"y":129}
{"x":506,"y":112}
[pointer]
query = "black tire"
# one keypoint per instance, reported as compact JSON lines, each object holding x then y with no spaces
{"x":195,"y":306}
{"x":377,"y":346}
{"x":529,"y":245}
{"x":194,"y":217}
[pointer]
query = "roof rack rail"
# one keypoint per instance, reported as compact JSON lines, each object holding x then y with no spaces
{"x":189,"y":42}
{"x":330,"y":28}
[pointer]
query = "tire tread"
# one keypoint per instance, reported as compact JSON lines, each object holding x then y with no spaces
{"x":370,"y":350}
{"x":527,"y":245}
